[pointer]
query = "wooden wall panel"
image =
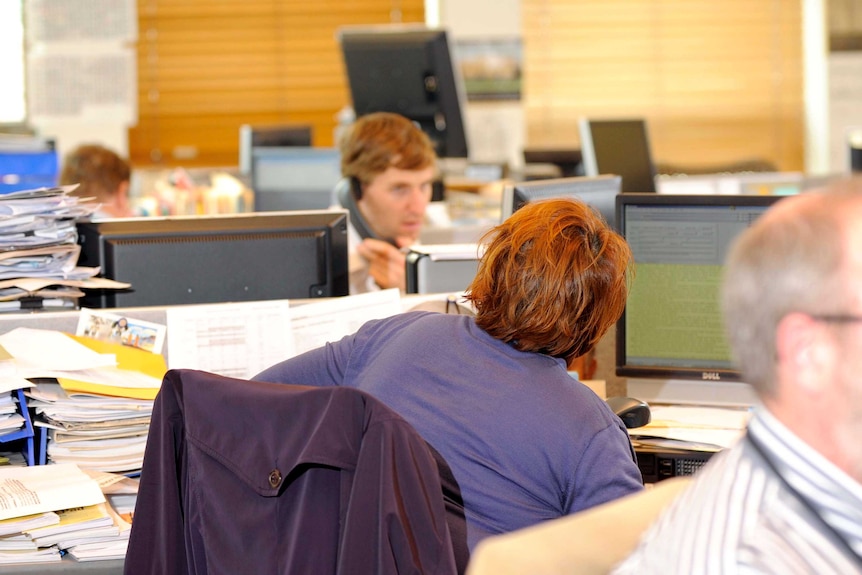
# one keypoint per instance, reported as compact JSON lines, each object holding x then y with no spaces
{"x":205,"y":67}
{"x":718,"y":82}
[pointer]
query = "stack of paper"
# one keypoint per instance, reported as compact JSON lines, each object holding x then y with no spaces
{"x":92,"y":431}
{"x":39,"y":250}
{"x":95,"y":398}
{"x":10,"y":418}
{"x":692,"y":427}
{"x":87,"y":533}
{"x":34,"y":498}
{"x":121,"y":493}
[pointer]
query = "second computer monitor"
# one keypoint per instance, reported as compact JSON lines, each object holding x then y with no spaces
{"x":407,"y":70}
{"x":619,"y":147}
{"x":600,"y":192}
{"x":294,"y":178}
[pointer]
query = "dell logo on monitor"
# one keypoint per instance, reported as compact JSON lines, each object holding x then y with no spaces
{"x":711,"y":376}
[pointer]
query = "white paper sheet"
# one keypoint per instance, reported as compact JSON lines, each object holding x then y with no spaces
{"x":234,"y":339}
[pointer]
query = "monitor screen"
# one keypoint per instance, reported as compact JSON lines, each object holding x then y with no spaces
{"x":619,"y":147}
{"x":294,"y":178}
{"x":213,"y":259}
{"x":600,"y":192}
{"x":672,"y":325}
{"x":409,"y":71}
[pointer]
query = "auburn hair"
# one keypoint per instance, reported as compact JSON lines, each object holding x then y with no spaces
{"x":553,"y":278}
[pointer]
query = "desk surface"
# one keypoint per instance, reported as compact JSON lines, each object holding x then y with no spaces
{"x":67,"y":565}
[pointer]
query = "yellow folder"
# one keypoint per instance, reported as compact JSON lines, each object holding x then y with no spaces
{"x":128,"y":358}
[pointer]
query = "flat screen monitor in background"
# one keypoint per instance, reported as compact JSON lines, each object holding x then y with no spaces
{"x":600,"y":192}
{"x":214,"y":259}
{"x":407,"y":70}
{"x":269,"y":136}
{"x":296,"y":178}
{"x":619,"y":147}
{"x":672,"y":326}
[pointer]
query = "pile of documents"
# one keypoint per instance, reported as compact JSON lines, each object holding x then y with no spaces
{"x":92,"y":431}
{"x":93,"y":398}
{"x":692,"y":427}
{"x":46,"y":509}
{"x":10,"y":417}
{"x":39,"y":250}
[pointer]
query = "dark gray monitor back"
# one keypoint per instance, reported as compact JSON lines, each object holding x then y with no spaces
{"x":619,"y":147}
{"x":253,"y":136}
{"x":600,"y":192}
{"x":213,"y":259}
{"x":408,"y":71}
{"x":294,"y":178}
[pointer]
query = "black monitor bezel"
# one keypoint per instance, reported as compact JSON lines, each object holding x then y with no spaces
{"x":384,"y":41}
{"x":623,"y":369}
{"x":326,"y":229}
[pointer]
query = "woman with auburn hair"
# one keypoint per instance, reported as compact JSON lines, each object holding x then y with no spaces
{"x":525,"y":441}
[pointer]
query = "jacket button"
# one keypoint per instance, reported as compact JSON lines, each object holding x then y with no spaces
{"x":274,"y":478}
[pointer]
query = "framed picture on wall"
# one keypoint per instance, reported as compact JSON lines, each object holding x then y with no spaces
{"x":491,"y":68}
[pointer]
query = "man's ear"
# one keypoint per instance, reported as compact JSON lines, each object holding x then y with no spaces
{"x":804,"y":346}
{"x":121,"y":198}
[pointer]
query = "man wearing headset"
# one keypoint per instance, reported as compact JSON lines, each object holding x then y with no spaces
{"x":389,"y":165}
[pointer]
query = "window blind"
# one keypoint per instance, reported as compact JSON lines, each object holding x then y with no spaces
{"x":718,"y":82}
{"x":205,"y":67}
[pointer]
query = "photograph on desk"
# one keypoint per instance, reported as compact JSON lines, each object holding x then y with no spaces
{"x":125,"y":330}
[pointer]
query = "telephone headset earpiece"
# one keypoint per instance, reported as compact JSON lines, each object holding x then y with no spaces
{"x":348,"y":191}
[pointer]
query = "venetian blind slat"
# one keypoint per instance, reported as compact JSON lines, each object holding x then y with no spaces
{"x":206,"y":67}
{"x":718,"y":82}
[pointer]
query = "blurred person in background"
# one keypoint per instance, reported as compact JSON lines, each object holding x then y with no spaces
{"x":102,"y":176}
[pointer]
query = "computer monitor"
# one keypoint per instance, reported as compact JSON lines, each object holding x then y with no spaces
{"x":407,"y":70}
{"x":600,"y":192}
{"x":441,"y":268}
{"x":619,"y":147}
{"x":212,"y":259}
{"x":672,"y":326}
{"x":294,"y":178}
{"x":269,"y":136}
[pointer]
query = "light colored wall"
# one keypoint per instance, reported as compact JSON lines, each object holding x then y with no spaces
{"x":496,"y":131}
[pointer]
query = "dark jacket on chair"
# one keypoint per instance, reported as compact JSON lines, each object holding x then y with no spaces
{"x":250,"y":477}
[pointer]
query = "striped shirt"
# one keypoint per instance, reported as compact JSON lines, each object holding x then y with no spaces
{"x":770,"y":504}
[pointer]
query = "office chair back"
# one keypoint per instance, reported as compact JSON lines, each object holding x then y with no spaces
{"x":252,"y":477}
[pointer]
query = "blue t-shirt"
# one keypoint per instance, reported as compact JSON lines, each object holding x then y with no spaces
{"x":526,"y":442}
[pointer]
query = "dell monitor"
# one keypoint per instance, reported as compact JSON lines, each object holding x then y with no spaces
{"x":672,"y":326}
{"x":409,"y":71}
{"x":618,"y":147}
{"x":600,"y":192}
{"x":212,"y":259}
{"x":294,"y":178}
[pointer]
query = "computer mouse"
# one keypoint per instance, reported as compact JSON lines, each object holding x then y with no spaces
{"x":633,"y":412}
